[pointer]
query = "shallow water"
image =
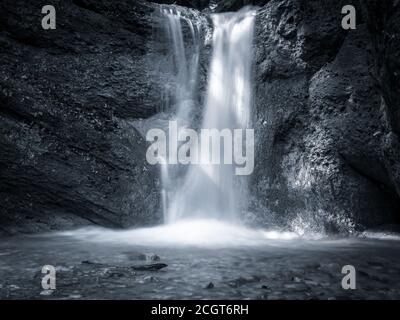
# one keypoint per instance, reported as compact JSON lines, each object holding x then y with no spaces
{"x":240,"y":263}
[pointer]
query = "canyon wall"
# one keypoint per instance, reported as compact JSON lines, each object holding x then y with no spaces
{"x":326,"y":114}
{"x":70,"y":154}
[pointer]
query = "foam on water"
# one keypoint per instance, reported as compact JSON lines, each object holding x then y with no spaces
{"x":200,"y":233}
{"x":380,"y":235}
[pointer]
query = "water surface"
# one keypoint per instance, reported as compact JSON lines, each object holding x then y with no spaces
{"x":240,"y":264}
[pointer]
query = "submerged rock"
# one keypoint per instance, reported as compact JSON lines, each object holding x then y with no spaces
{"x":87,"y":262}
{"x":150,"y":267}
{"x":115,"y":268}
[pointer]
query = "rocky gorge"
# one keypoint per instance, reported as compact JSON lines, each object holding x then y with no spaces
{"x":73,"y":102}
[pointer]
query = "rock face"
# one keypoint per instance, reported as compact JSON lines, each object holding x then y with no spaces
{"x":327,"y":116}
{"x":326,"y":113}
{"x":68,"y":98}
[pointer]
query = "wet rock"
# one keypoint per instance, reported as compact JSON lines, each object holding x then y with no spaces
{"x":150,"y":267}
{"x":328,"y":134}
{"x":149,"y":257}
{"x":91,"y":263}
{"x":116,"y":270}
{"x":71,"y":155}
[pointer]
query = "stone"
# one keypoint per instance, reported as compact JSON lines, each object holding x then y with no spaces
{"x":70,"y":151}
{"x":149,"y":257}
{"x":150,"y":267}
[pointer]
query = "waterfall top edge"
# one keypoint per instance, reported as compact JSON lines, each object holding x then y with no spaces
{"x":251,"y":10}
{"x":179,"y":10}
{"x":235,"y":16}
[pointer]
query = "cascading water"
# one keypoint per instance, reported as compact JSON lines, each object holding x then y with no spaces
{"x":164,"y":188}
{"x":212,"y":190}
{"x":185,"y":61}
{"x":201,"y":202}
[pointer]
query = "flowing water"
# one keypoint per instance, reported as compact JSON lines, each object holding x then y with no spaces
{"x":186,"y":65}
{"x":205,"y":251}
{"x":201,"y":203}
{"x":186,"y":61}
{"x":98,"y":264}
{"x":211,"y":190}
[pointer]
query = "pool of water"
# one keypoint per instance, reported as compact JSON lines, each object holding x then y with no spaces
{"x":205,"y":262}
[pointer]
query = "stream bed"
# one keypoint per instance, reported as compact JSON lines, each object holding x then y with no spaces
{"x":275,"y":269}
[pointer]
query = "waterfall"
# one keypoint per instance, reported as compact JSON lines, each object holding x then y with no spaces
{"x":186,"y":61}
{"x":209,"y":190}
{"x":164,"y":188}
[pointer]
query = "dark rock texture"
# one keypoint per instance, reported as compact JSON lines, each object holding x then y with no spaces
{"x":70,"y":154}
{"x":196,"y":4}
{"x":326,"y":115}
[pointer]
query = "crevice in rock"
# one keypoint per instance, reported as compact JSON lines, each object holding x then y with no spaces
{"x":380,"y":184}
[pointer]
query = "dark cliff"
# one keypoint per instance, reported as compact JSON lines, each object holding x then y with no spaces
{"x":326,"y":114}
{"x":70,"y":154}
